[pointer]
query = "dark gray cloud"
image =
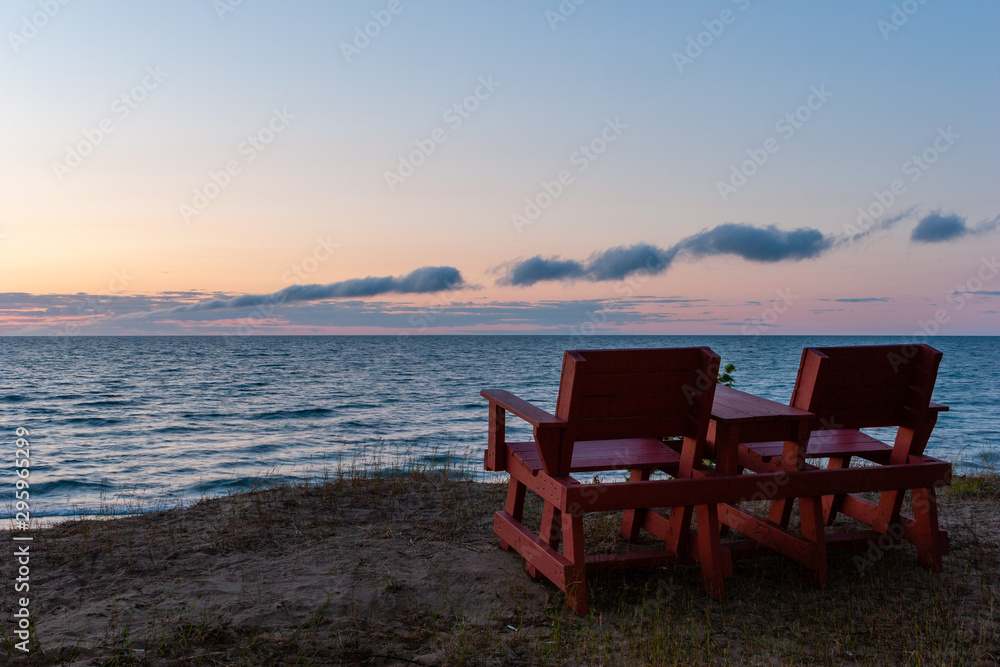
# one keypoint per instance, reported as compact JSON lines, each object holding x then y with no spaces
{"x":617,"y":263}
{"x":757,"y":244}
{"x":611,"y":264}
{"x":936,"y":228}
{"x":421,"y":281}
{"x":538,"y":268}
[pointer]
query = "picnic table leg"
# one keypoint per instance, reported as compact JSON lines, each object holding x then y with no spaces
{"x":576,"y":574}
{"x":632,"y":520}
{"x":832,"y":504}
{"x":548,"y":533}
{"x":514,"y":505}
{"x":724,"y":445}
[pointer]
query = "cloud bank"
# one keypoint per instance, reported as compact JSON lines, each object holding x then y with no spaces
{"x":757,"y":244}
{"x":421,"y":281}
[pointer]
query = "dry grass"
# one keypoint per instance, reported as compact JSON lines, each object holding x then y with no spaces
{"x":404,"y":569}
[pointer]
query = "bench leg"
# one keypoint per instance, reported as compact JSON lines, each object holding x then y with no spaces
{"x":724,"y":529}
{"x":832,"y":504}
{"x":632,"y":520}
{"x":549,"y":533}
{"x":781,"y":512}
{"x":710,"y":551}
{"x":678,"y":532}
{"x":889,"y":505}
{"x":576,"y":573}
{"x":514,"y":505}
{"x":811,"y":517}
{"x":927,"y":535}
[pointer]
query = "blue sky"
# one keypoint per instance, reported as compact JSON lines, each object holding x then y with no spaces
{"x":248,"y":147}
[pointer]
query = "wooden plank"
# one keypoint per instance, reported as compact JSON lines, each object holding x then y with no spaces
{"x":575,"y":578}
{"x":634,"y":405}
{"x":551,"y":489}
{"x":868,"y":356}
{"x":824,"y":444}
{"x":873,"y":376}
{"x":737,"y":406}
{"x":637,"y":383}
{"x":893,"y":396}
{"x":496,"y":452}
{"x":627,"y":428}
{"x":644,"y":359}
{"x":811,"y":515}
{"x":770,"y":535}
{"x":738,"y":488}
{"x":713,"y":568}
{"x":593,"y":456}
{"x":550,"y":563}
{"x":812,"y":366}
{"x":628,"y":560}
{"x":533,"y":415}
{"x":855,"y":417}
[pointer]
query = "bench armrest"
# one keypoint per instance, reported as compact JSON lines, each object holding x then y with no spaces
{"x":533,"y":415}
{"x":548,"y":429}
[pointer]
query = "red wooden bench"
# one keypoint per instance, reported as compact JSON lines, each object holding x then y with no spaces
{"x":614,"y":410}
{"x":851,"y":388}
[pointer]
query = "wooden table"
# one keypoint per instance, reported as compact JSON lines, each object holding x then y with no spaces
{"x":739,"y":417}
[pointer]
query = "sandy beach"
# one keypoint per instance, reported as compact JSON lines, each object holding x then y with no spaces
{"x":407,"y":570}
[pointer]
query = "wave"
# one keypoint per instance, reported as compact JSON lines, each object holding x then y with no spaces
{"x":303,"y":413}
{"x":102,"y":404}
{"x":93,"y":421}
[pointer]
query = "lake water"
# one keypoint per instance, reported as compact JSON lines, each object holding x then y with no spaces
{"x":123,"y":419}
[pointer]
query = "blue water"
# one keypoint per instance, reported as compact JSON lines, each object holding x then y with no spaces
{"x":122,"y":419}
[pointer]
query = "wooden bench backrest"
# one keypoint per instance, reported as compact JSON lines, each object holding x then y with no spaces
{"x":641,"y":393}
{"x":866,"y":386}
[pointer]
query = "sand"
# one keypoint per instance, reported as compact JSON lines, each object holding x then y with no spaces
{"x":401,"y":571}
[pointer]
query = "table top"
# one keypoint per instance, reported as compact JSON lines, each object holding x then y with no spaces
{"x":736,"y":406}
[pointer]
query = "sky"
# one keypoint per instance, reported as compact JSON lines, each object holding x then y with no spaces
{"x":402,"y":166}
